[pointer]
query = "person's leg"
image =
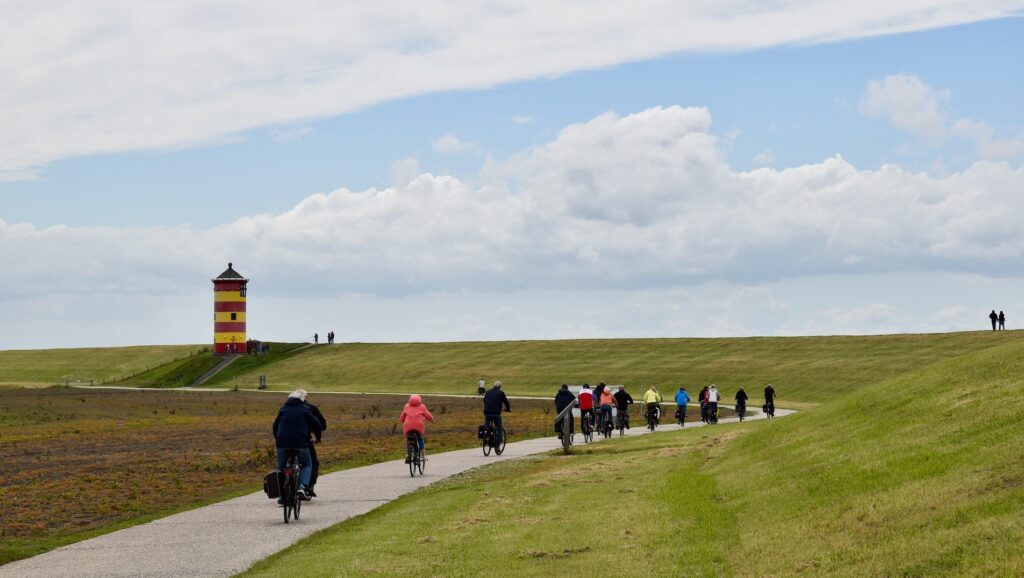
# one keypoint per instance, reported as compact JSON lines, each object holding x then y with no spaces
{"x":315,"y":472}
{"x":306,"y":463}
{"x":422,"y":441}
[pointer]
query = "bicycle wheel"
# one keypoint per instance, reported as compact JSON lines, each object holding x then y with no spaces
{"x":286,"y":495}
{"x":298,"y":506}
{"x":500,"y":446}
{"x":421,"y":461}
{"x":410,"y":456}
{"x":487,"y":444}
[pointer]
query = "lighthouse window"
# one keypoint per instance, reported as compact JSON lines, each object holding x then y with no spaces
{"x":234,"y":316}
{"x":243,"y":291}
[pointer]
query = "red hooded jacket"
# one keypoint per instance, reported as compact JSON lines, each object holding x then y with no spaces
{"x":413,"y":416}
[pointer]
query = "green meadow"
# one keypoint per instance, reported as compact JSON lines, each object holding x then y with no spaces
{"x":921,"y":474}
{"x":806,"y":371}
{"x":44,"y":367}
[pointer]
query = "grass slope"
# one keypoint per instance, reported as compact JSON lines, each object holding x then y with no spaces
{"x":48,"y":366}
{"x":921,"y":475}
{"x":805,"y":370}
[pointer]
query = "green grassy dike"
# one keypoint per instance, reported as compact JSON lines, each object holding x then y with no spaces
{"x":919,"y":475}
{"x":805,"y":370}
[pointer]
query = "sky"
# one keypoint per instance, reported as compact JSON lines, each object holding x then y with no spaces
{"x":436,"y":171}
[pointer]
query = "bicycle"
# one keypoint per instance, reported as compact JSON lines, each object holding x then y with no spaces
{"x":712,"y":413}
{"x":623,"y":422}
{"x":586,"y":426}
{"x":492,"y":439}
{"x":741,"y":410}
{"x":652,"y":417}
{"x":607,"y":427}
{"x":414,"y":456}
{"x":681,"y":416}
{"x":290,"y":486}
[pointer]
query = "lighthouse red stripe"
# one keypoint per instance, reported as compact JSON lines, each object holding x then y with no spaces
{"x":229,"y":327}
{"x":228,"y":306}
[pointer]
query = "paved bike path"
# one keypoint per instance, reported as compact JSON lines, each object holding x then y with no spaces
{"x":228,"y":537}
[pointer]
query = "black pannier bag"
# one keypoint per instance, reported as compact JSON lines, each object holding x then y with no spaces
{"x":481,"y":432}
{"x":272,"y":485}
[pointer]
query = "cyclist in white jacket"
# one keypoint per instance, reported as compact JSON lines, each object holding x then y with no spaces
{"x":713,"y":398}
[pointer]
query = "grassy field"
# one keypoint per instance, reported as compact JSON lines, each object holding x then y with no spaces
{"x":805,"y":370}
{"x":919,"y":475}
{"x":80,"y":461}
{"x":50,"y":366}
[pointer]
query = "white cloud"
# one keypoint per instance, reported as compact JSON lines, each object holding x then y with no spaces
{"x":910,"y":104}
{"x":451,"y":144}
{"x":88,"y":77}
{"x":637,"y":201}
{"x":286,"y":135}
{"x":766,"y":157}
{"x":522,"y":119}
{"x":921,"y":110}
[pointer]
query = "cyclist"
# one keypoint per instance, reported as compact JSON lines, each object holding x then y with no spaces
{"x":682,"y":398}
{"x":769,"y":400}
{"x":702,"y":399}
{"x":563,"y":399}
{"x":741,"y":401}
{"x":313,"y":440}
{"x":586,"y":401}
{"x":713,"y":399}
{"x":412,"y":418}
{"x":607,"y":400}
{"x":651,"y":399}
{"x":494,"y":401}
{"x":292,"y":427}
{"x":622,"y":403}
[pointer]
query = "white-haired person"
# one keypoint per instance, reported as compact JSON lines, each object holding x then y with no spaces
{"x":294,"y":424}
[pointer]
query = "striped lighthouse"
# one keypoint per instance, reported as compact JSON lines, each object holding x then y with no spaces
{"x":229,"y":312}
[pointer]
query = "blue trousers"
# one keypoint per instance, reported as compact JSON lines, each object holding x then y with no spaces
{"x":305,"y":461}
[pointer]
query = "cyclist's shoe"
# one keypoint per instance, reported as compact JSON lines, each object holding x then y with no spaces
{"x":310,"y":492}
{"x":302,"y":494}
{"x":407,"y":459}
{"x":280,"y":501}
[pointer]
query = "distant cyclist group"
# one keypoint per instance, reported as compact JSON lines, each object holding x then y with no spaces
{"x":596,"y":407}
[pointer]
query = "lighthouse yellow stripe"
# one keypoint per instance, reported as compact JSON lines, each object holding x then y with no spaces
{"x":226,"y":316}
{"x":226,"y":337}
{"x":227,"y":296}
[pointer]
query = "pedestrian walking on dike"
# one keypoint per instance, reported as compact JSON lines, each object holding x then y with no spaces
{"x":769,"y":401}
{"x":563,"y":399}
{"x":994,"y":319}
{"x":481,"y":387}
{"x":316,"y":339}
{"x":1002,"y":321}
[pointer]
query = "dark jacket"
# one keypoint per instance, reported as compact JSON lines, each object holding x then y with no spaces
{"x":622,"y":400}
{"x":319,"y":417}
{"x":769,"y":394}
{"x":294,"y":424}
{"x":494,"y":399}
{"x":563,"y":399}
{"x":741,"y":397}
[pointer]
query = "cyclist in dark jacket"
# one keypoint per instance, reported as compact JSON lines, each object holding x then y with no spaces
{"x":314,"y":439}
{"x":494,"y":400}
{"x":292,"y":428}
{"x":563,"y":399}
{"x":622,"y":403}
{"x":741,"y":401}
{"x":769,"y":400}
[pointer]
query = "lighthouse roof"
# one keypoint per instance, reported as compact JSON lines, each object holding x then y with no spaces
{"x":230,"y":273}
